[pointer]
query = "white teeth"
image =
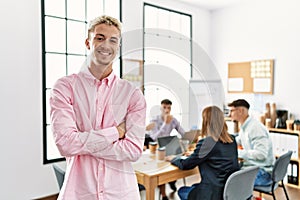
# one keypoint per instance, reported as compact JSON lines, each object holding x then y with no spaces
{"x":104,"y":53}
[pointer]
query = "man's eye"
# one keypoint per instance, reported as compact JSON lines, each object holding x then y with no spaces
{"x":100,"y":39}
{"x":114,"y":41}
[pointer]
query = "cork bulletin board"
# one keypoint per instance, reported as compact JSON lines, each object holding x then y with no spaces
{"x":251,"y":77}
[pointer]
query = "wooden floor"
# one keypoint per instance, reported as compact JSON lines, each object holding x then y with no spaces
{"x":294,"y":193}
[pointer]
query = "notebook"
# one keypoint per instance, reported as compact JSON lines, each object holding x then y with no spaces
{"x":172,"y":144}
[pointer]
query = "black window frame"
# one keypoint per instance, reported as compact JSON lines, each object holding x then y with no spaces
{"x":44,"y":73}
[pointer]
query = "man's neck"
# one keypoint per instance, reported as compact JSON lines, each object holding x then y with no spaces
{"x":100,"y":72}
{"x":243,"y":119}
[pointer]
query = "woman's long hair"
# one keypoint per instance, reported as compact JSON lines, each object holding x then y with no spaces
{"x":214,"y":125}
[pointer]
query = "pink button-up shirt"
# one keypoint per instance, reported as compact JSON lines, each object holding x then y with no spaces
{"x":84,"y":116}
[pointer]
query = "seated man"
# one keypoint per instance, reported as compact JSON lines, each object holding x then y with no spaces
{"x":254,"y":139}
{"x":162,"y":125}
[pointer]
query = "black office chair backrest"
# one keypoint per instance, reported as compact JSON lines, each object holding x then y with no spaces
{"x":60,"y":175}
{"x":239,"y":184}
{"x":280,"y":166}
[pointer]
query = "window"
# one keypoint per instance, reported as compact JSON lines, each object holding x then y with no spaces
{"x":64,"y":29}
{"x":167,"y":54}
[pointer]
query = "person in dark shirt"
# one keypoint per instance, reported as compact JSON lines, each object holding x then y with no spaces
{"x":215,"y":155}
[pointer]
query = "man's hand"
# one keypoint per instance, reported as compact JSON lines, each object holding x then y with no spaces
{"x":168,"y":119}
{"x":150,"y":126}
{"x":188,"y":153}
{"x":170,"y":157}
{"x":122,"y":130}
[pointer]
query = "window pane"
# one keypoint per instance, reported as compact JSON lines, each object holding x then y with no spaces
{"x":76,"y":37}
{"x":172,"y":61}
{"x":75,"y":63}
{"x":55,"y":34}
{"x":175,"y":22}
{"x":52,"y":151}
{"x":55,"y":68}
{"x":185,"y":26}
{"x":174,"y":45}
{"x":55,"y":8}
{"x":94,"y":9}
{"x":151,"y":17}
{"x":76,"y":9}
{"x":163,"y":16}
{"x":112,"y":8}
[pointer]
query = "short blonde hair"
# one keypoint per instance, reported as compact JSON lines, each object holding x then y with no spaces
{"x":104,"y":19}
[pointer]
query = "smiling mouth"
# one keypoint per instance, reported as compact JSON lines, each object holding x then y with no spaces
{"x":104,"y":53}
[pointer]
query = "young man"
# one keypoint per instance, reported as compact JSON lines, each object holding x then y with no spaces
{"x":255,"y":141}
{"x":162,"y":125}
{"x":98,"y":122}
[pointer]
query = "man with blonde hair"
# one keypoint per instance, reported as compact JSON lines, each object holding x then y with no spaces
{"x":98,"y":122}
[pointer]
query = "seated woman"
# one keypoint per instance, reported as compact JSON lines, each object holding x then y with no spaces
{"x":215,"y":155}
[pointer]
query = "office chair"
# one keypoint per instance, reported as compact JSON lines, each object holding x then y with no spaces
{"x":278,"y":174}
{"x":239,"y":184}
{"x":60,"y":175}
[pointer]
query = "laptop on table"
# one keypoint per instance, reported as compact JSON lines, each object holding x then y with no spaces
{"x":172,"y":145}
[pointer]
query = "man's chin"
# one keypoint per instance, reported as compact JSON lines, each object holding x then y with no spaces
{"x":104,"y":63}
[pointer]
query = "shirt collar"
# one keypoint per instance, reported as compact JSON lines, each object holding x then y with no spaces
{"x":246,"y":122}
{"x":92,"y":80}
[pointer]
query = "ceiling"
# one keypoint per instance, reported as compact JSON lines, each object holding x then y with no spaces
{"x":211,"y":4}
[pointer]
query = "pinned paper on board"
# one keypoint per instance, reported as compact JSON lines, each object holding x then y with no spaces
{"x":235,"y":84}
{"x":261,"y":84}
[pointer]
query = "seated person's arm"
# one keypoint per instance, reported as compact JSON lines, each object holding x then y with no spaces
{"x":260,"y":143}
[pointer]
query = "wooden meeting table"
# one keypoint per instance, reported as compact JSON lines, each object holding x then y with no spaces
{"x":152,"y":172}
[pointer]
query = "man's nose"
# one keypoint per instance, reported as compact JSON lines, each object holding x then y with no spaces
{"x":105,"y":43}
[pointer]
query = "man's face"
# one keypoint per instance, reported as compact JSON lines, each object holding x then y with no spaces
{"x":165,"y":109}
{"x":104,"y":43}
{"x":234,"y":113}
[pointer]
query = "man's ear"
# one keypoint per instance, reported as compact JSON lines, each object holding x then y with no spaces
{"x":87,"y":43}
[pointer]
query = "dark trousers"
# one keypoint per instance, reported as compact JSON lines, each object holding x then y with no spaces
{"x":147,"y":140}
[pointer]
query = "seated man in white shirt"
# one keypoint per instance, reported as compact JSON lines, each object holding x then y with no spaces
{"x":256,"y":145}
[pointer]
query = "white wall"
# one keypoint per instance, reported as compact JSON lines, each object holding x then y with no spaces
{"x":261,"y":29}
{"x":23,"y":176}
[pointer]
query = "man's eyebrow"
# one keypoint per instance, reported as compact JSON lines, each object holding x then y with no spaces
{"x":99,"y":34}
{"x":113,"y":37}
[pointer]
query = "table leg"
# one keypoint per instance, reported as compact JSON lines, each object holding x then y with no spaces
{"x":150,"y":185}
